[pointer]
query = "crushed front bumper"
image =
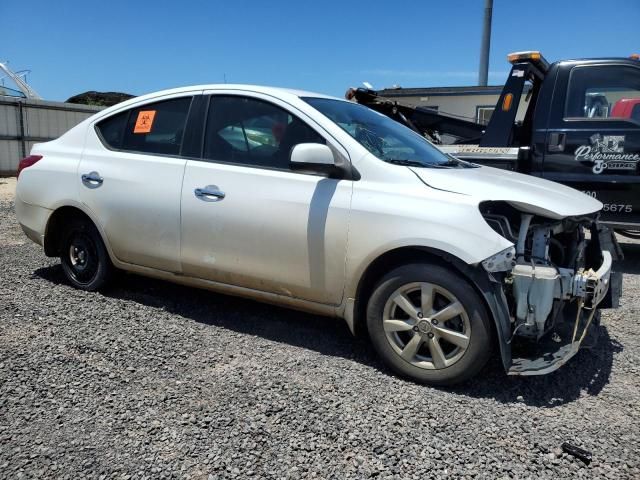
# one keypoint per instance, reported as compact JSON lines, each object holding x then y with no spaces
{"x":594,"y":285}
{"x":579,"y":321}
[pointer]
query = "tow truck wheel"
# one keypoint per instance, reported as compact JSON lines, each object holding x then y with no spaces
{"x":428,"y":324}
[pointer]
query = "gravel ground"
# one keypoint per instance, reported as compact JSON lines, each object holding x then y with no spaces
{"x":153,"y":380}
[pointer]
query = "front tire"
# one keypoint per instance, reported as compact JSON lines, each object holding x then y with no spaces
{"x":84,"y":257}
{"x":429,"y":324}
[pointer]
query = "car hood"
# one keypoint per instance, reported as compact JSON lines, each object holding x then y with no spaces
{"x":525,"y":192}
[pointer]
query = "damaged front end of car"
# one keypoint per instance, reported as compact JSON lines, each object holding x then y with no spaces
{"x":554,"y":280}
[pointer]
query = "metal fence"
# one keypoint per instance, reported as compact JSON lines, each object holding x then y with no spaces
{"x":25,"y":122}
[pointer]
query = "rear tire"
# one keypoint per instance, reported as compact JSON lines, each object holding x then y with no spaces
{"x":84,"y":257}
{"x":429,"y":324}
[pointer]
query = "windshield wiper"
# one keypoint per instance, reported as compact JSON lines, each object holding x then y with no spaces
{"x":413,"y":163}
{"x":453,"y":161}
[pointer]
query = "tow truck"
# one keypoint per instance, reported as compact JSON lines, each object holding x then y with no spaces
{"x":580,"y":127}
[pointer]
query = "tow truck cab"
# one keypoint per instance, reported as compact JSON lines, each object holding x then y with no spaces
{"x":581,"y":128}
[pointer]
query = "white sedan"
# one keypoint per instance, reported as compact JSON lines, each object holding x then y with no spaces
{"x":324,"y":205}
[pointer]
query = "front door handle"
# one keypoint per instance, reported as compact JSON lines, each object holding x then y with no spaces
{"x":210,"y":193}
{"x":557,"y":141}
{"x":92,"y":179}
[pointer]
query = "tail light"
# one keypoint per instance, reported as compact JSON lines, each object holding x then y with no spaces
{"x":27,"y":162}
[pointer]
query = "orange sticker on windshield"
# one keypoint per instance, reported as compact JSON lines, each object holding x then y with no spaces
{"x":144,"y":122}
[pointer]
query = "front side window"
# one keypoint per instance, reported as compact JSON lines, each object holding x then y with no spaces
{"x":152,"y":128}
{"x":383,"y":137}
{"x":252,"y":132}
{"x":602,"y":92}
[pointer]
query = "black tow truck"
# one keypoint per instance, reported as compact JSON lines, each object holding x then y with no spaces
{"x":579,"y":124}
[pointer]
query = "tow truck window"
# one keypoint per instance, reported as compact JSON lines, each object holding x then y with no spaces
{"x":599,"y":92}
{"x":483,"y":114}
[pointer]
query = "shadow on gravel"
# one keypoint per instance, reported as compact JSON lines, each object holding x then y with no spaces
{"x":587,"y":372}
{"x":329,"y":336}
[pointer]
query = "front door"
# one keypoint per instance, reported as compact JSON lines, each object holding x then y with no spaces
{"x":593,"y":141}
{"x":248,"y":220}
{"x":130,"y":177}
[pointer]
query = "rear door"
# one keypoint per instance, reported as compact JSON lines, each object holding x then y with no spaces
{"x":593,"y":141}
{"x":130,"y":177}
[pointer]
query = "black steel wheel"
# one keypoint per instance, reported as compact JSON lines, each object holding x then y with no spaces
{"x":84,"y":257}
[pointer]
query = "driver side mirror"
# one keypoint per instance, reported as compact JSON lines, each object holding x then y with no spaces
{"x":314,"y":157}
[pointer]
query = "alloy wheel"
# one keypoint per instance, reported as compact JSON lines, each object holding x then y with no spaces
{"x":426,"y":325}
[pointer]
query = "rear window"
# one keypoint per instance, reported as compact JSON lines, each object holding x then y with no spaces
{"x":152,"y":128}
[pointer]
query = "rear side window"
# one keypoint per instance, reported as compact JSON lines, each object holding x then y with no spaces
{"x":152,"y":128}
{"x":112,"y":129}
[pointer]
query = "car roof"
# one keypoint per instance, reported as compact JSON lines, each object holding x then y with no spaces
{"x":279,"y":92}
{"x":276,"y":91}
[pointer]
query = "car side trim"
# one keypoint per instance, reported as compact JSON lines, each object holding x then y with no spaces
{"x":228,"y":289}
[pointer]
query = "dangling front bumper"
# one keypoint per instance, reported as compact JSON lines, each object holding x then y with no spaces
{"x":578,"y":323}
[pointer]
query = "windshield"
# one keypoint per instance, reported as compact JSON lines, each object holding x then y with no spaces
{"x":383,"y":137}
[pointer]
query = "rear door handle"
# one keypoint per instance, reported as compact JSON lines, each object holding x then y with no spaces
{"x":210,"y":193}
{"x":557,"y":142}
{"x":92,"y":179}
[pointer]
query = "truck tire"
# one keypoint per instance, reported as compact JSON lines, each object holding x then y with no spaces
{"x":84,"y":257}
{"x":428,"y":324}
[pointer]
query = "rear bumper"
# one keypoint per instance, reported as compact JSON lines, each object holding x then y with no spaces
{"x":33,"y":220}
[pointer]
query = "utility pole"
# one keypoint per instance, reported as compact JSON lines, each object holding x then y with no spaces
{"x":483,"y":75}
